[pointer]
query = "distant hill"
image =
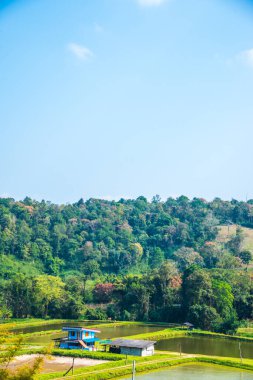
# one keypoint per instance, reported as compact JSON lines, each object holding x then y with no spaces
{"x":172,"y":260}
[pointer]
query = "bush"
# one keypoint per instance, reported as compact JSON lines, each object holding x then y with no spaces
{"x":227,"y":326}
{"x":95,"y":314}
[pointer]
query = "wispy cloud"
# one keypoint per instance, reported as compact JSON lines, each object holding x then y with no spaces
{"x":247,"y":57}
{"x":81,"y":52}
{"x":151,"y":3}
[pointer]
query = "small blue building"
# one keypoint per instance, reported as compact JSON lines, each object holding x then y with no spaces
{"x":79,"y":338}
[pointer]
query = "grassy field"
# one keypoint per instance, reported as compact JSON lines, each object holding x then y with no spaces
{"x":225,"y":233}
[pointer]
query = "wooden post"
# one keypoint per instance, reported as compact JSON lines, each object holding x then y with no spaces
{"x":73,"y":365}
{"x":180,"y":349}
{"x":240,"y":351}
{"x":133,"y":371}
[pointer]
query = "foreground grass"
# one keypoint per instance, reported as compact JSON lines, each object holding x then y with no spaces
{"x":157,"y":362}
{"x":117,"y":369}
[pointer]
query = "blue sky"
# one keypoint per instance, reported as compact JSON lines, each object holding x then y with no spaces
{"x":121,"y":98}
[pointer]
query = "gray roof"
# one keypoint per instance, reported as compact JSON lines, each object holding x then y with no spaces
{"x":188,"y":324}
{"x":132,"y":343}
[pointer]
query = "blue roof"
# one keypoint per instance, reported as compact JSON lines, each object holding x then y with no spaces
{"x":78,"y":328}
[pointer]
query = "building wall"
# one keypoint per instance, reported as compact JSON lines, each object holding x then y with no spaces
{"x":80,"y":334}
{"x":73,"y":347}
{"x":88,"y":334}
{"x":131,"y":351}
{"x":149,"y":351}
{"x":137,"y":351}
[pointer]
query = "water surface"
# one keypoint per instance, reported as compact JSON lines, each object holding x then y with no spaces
{"x":207,"y":346}
{"x":51,"y":326}
{"x":196,"y":372}
{"x":106,"y":332}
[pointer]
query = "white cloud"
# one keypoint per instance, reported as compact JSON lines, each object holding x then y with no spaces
{"x":151,"y":3}
{"x":247,"y":57}
{"x":80,"y":51}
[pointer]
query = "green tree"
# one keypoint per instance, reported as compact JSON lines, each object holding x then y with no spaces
{"x":222,"y":297}
{"x":46,"y":290}
{"x":186,"y":257}
{"x":203,"y":316}
{"x":246,"y":257}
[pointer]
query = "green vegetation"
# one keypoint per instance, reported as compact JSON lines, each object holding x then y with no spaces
{"x":122,"y":368}
{"x":99,"y":355}
{"x":130,"y":260}
{"x":10,"y":346}
{"x":158,"y":335}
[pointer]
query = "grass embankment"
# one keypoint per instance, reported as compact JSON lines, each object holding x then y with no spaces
{"x":31,"y":322}
{"x":245,"y":332}
{"x":124,"y":368}
{"x":161,"y":334}
{"x":218,"y":335}
{"x":227,"y":362}
{"x":101,"y":324}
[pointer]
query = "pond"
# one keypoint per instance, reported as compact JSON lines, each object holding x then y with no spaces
{"x":207,"y":346}
{"x":196,"y":372}
{"x":51,"y":326}
{"x":106,"y":332}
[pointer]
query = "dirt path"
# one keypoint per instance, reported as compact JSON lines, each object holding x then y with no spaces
{"x":55,"y":363}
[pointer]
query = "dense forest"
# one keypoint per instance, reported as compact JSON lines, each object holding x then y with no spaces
{"x":130,"y":260}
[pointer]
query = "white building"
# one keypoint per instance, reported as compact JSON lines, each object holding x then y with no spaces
{"x":132,"y":347}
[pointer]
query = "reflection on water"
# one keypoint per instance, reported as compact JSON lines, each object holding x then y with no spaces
{"x":207,"y":346}
{"x":196,"y":372}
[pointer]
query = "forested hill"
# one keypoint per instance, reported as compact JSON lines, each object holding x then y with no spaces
{"x":158,"y":260}
{"x":99,"y":236}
